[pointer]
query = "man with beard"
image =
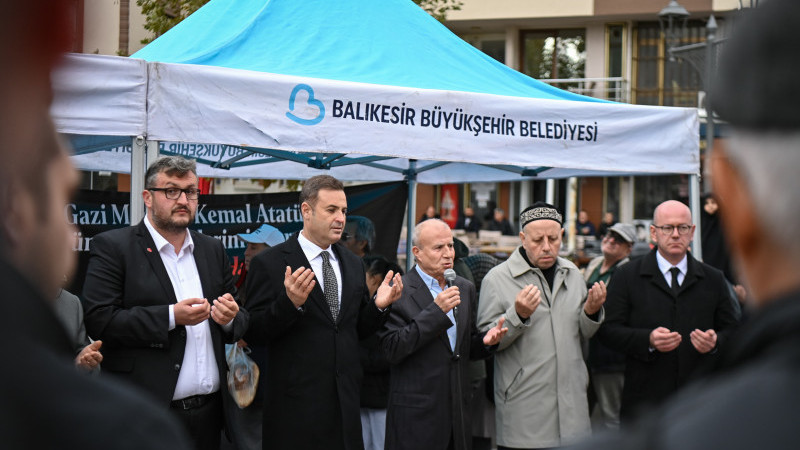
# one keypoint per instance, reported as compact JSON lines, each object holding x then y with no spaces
{"x":160,"y":298}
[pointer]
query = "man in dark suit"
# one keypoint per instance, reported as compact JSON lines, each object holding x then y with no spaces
{"x":429,"y":339}
{"x":310,"y":304}
{"x":146,"y":294}
{"x":666,"y":311}
{"x":468,"y":221}
{"x":750,"y":398}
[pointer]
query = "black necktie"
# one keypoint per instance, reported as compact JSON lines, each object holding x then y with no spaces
{"x":675,"y":271}
{"x":331,"y":287}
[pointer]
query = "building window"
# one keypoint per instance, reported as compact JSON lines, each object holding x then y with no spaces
{"x":612,"y":196}
{"x":659,"y":81}
{"x":99,"y":181}
{"x":555,"y":54}
{"x":494,"y":45}
{"x":650,"y":191}
{"x":615,"y":65}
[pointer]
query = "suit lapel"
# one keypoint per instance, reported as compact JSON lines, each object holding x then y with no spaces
{"x":422,"y":298}
{"x":650,"y":268}
{"x":349,"y":282}
{"x":295,"y":257}
{"x":152,"y":256}
{"x":202,"y":260}
{"x":694,"y":271}
{"x":461,"y":315}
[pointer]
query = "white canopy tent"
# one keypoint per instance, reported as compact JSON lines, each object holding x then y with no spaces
{"x":465,"y":119}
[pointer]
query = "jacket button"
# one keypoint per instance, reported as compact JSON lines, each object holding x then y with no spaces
{"x":177,"y":367}
{"x":457,"y":357}
{"x":183,"y":333}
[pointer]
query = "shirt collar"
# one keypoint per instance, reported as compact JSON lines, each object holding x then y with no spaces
{"x":313,"y":250}
{"x":429,"y":281}
{"x":664,"y":265}
{"x":161,"y":242}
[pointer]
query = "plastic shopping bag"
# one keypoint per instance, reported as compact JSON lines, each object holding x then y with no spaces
{"x":242,"y":375}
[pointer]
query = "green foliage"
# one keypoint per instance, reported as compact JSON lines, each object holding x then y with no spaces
{"x":287,"y":185}
{"x":439,"y":8}
{"x":162,"y":15}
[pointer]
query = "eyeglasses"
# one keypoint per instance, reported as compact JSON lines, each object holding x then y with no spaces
{"x":175,"y":193}
{"x":668,"y":229}
{"x":345,"y":236}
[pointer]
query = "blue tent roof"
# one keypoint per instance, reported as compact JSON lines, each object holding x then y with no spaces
{"x":386,"y":42}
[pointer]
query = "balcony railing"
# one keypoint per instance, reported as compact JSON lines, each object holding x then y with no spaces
{"x":613,"y":88}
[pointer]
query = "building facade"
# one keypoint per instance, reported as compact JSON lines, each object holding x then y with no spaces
{"x":611,"y":49}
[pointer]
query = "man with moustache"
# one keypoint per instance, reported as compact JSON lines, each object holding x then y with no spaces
{"x":310,"y":305}
{"x":159,"y":296}
{"x":666,"y":311}
{"x":607,"y":366}
{"x":429,"y":339}
{"x":540,"y":377}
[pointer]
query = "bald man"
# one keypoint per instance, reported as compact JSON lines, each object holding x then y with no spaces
{"x":752,"y":401}
{"x":667,"y":312}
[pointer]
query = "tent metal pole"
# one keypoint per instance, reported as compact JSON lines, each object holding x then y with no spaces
{"x":694,"y":206}
{"x":550,"y":193}
{"x":412,"y":207}
{"x":138,"y":167}
{"x":143,"y":153}
{"x":153,"y":152}
{"x":571,"y":214}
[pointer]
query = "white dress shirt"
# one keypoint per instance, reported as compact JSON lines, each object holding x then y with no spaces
{"x":313,"y":254}
{"x":664,"y":266}
{"x":199,"y":374}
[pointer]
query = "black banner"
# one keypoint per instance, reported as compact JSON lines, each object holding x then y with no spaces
{"x":225,"y":216}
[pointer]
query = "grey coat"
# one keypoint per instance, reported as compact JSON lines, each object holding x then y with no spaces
{"x":540,"y":375}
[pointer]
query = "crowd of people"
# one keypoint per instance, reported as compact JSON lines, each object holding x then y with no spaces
{"x":160,"y":302}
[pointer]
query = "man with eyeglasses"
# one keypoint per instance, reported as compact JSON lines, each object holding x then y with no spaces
{"x":750,"y":399}
{"x":607,"y":367}
{"x":666,"y":311}
{"x":160,"y":297}
{"x":358,"y":235}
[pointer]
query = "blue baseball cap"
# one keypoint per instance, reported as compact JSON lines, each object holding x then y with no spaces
{"x":265,"y":234}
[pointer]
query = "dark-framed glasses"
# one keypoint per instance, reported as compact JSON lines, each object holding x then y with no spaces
{"x":668,"y":229}
{"x":345,"y":236}
{"x":175,"y":193}
{"x":614,"y":237}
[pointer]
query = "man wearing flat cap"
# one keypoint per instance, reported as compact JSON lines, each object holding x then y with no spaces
{"x":540,"y":377}
{"x":606,"y":366}
{"x":751,"y":398}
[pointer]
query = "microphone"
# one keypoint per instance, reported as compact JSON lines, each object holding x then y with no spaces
{"x":450,"y":279}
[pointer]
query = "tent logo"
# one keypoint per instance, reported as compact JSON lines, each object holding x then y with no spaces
{"x":313,"y":106}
